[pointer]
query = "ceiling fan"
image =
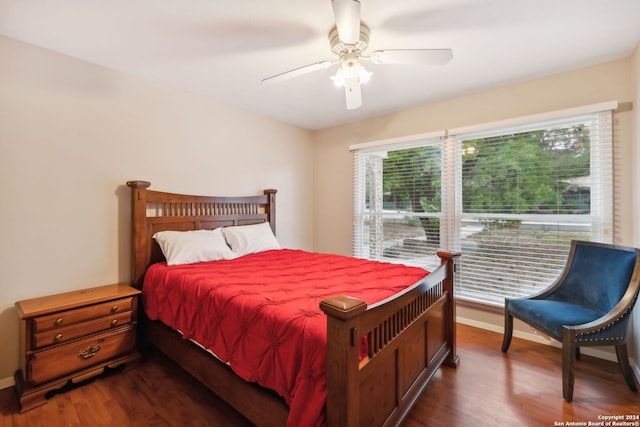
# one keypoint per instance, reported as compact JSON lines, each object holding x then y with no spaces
{"x":349,"y":38}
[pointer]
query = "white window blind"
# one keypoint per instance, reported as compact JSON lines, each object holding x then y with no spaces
{"x":526,"y":191}
{"x":510,"y":197}
{"x":400,"y":206}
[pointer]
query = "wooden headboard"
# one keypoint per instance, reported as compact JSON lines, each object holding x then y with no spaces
{"x":153,"y":211}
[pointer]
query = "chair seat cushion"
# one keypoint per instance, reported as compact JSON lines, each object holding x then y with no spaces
{"x":549,"y":316}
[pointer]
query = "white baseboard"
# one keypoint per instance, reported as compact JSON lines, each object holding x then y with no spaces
{"x":7,"y":382}
{"x":543,"y":339}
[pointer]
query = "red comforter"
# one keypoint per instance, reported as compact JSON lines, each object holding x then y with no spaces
{"x":260,"y":313}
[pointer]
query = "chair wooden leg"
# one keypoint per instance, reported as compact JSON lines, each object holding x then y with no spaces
{"x":577,"y":353}
{"x":508,"y":330}
{"x":568,"y":358}
{"x":623,"y":359}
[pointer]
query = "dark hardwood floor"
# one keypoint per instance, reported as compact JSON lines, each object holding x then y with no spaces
{"x":489,"y":388}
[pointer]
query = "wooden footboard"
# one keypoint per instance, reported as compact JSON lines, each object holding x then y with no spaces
{"x":409,"y":336}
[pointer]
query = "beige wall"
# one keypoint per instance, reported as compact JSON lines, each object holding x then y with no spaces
{"x":333,"y":177}
{"x":72,"y":134}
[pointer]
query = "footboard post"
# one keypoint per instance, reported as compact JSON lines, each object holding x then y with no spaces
{"x":449,"y":259}
{"x":342,"y":359}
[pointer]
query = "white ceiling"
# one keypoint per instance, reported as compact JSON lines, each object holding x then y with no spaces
{"x":223,"y":49}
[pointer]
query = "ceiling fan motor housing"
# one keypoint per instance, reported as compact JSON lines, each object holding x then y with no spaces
{"x":340,"y":48}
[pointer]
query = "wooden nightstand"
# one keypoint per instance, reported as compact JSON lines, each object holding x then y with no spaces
{"x":72,"y":337}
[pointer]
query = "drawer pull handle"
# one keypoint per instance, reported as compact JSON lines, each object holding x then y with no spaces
{"x":114,"y":308}
{"x":58,"y":320}
{"x":88,"y":352}
{"x":58,"y":337}
{"x":114,"y":322}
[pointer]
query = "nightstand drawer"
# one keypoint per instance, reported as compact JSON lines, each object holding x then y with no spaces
{"x":75,"y":356}
{"x":58,"y":336}
{"x":78,"y":315}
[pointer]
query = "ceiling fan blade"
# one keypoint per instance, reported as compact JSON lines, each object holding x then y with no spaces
{"x":353,"y":95}
{"x":298,"y":72}
{"x":412,"y":56}
{"x":347,"y":15}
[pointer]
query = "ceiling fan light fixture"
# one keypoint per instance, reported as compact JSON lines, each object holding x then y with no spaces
{"x":350,"y":72}
{"x":363,"y":75}
{"x":338,"y":78}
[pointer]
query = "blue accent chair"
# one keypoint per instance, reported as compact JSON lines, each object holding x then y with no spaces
{"x":589,"y":304}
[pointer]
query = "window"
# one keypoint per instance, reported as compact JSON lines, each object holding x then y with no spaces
{"x":399,"y":201}
{"x":510,"y":197}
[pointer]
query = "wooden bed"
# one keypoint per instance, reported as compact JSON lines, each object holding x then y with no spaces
{"x":410,"y":335}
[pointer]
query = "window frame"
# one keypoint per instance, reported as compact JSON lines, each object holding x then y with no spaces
{"x":451,"y":213}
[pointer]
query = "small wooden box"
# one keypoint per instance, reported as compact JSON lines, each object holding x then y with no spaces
{"x":72,"y":337}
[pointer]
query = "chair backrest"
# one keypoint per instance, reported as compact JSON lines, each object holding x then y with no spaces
{"x":598,"y":275}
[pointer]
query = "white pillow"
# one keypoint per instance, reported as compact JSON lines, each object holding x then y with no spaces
{"x":249,"y":239}
{"x":188,"y":247}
